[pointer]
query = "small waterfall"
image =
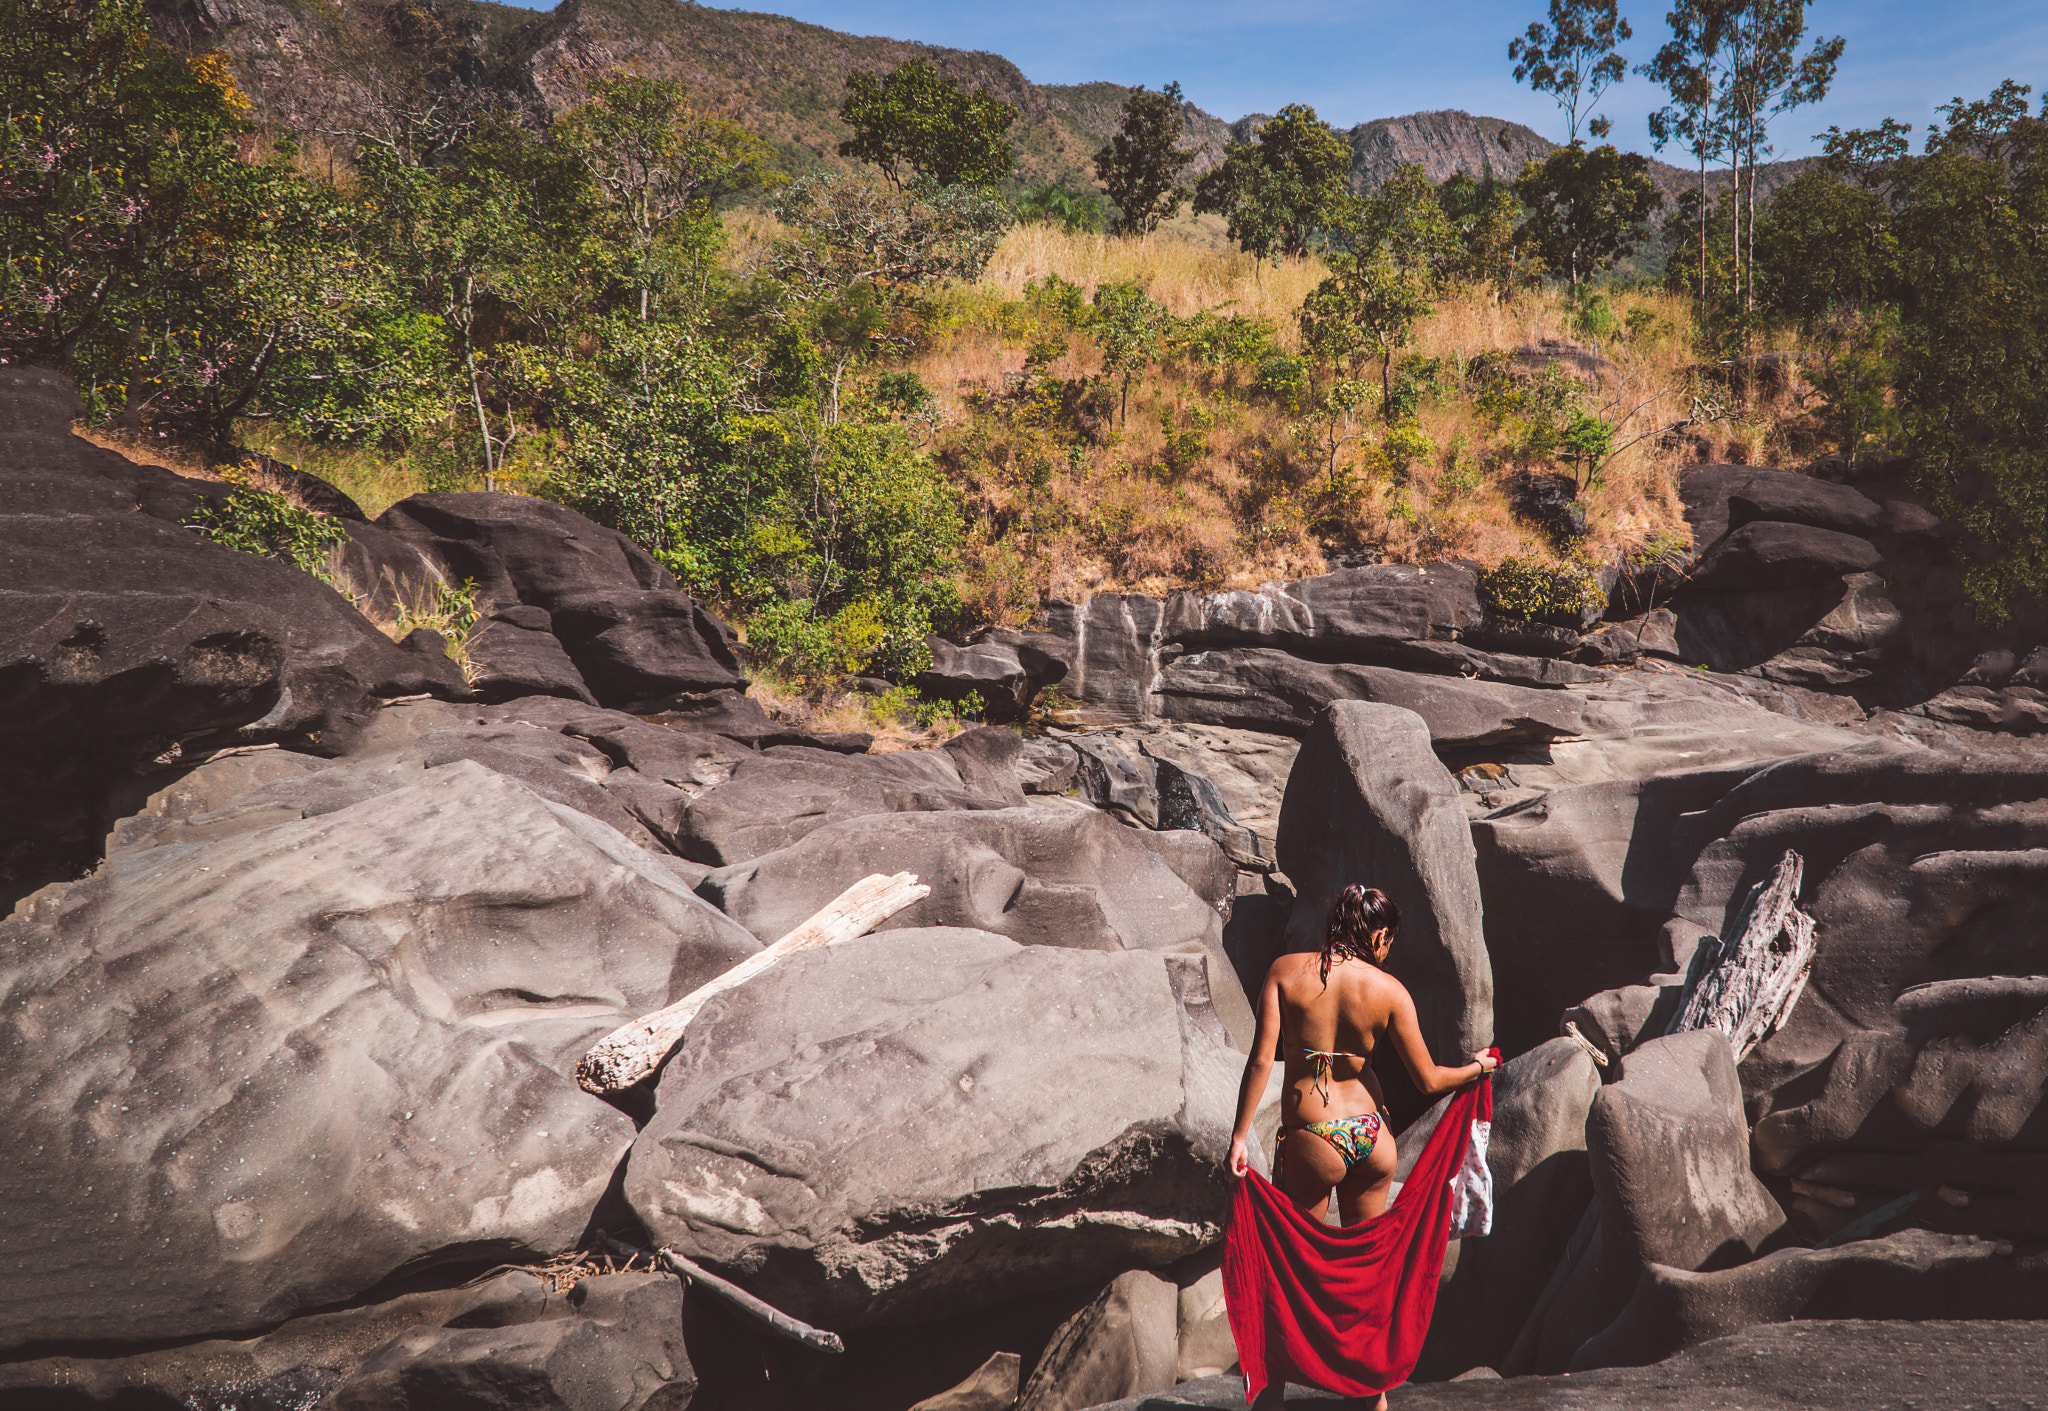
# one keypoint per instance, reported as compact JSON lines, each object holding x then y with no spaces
{"x":1079,"y":689}
{"x":1152,"y":644}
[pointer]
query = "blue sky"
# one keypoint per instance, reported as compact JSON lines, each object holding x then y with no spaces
{"x":1370,"y":59}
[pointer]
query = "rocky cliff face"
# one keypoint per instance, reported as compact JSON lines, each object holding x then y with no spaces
{"x":1443,"y":143}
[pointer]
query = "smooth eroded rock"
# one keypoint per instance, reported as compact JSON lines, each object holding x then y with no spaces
{"x":920,"y":1122}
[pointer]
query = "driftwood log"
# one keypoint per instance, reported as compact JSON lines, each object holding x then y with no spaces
{"x":1746,"y":985}
{"x":631,"y":1052}
{"x":773,"y":1318}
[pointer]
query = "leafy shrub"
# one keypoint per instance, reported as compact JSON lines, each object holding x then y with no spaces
{"x":1585,"y":444}
{"x":1058,"y":301}
{"x":1054,"y":204}
{"x":902,"y":392}
{"x":1223,"y":342}
{"x":1404,"y":446}
{"x":1187,"y":441}
{"x":904,"y":706}
{"x":1283,"y":377}
{"x":1414,"y":377}
{"x":1531,"y":590}
{"x":265,"y":523}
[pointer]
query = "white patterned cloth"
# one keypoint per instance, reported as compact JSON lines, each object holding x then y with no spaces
{"x":1472,"y":1188}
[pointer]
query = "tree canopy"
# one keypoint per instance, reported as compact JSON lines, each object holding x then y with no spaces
{"x":1285,"y":187}
{"x":1575,"y":58}
{"x":917,"y":122}
{"x":1141,"y":165}
{"x":1588,"y":209}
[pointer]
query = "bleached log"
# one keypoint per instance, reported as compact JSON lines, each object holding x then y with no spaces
{"x":1746,"y":985}
{"x":631,"y":1052}
{"x":767,"y":1314}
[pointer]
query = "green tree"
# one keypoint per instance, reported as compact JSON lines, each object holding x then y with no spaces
{"x":1279,"y":191}
{"x":657,"y":160}
{"x":1826,"y":246}
{"x":918,"y":122}
{"x":1368,"y":307}
{"x":110,"y":146}
{"x":1574,"y":59}
{"x":1972,"y":392}
{"x":1765,"y":75}
{"x":1130,"y":328}
{"x":849,"y":229}
{"x":1054,"y":204}
{"x":1729,"y":66}
{"x":1141,"y":166}
{"x":1588,"y":209}
{"x":1683,"y":68}
{"x":1404,"y":219}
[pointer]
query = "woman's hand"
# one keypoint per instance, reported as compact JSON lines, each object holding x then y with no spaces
{"x":1487,"y":1063}
{"x":1240,"y":1159}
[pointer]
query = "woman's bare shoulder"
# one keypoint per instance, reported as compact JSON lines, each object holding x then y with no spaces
{"x":1292,"y":966}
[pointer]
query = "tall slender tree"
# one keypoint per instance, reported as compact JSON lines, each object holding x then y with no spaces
{"x":1141,"y":166}
{"x":1574,"y":58}
{"x":1683,"y":68}
{"x":1767,"y":76}
{"x":1730,"y":66}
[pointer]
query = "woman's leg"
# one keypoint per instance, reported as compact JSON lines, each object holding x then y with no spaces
{"x":1309,"y":1170}
{"x":1363,"y":1191}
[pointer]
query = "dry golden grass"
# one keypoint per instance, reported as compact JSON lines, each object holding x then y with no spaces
{"x":1185,"y":273}
{"x":1057,"y":513}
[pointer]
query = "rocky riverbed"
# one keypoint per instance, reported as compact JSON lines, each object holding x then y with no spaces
{"x":310,"y":929}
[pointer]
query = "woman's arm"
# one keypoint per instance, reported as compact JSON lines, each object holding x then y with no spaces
{"x":1258,"y":1066}
{"x":1407,"y":1035}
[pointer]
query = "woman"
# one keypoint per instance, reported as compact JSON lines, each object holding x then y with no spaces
{"x":1327,"y":1012}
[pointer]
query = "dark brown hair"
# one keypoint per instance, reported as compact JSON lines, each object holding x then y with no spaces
{"x":1359,"y":912}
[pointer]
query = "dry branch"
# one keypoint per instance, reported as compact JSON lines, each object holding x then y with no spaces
{"x":1746,"y":986}
{"x":774,"y":1318}
{"x":631,"y":1052}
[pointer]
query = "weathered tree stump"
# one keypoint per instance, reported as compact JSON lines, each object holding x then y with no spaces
{"x":1746,"y":986}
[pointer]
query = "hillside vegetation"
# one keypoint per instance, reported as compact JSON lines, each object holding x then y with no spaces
{"x":886,"y":399}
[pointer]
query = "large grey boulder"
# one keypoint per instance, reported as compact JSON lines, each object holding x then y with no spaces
{"x":1247,"y":767}
{"x":614,"y":1344}
{"x":1788,"y":1367}
{"x":294,"y":1364}
{"x":1368,"y":802}
{"x":514,"y":653}
{"x":922,"y":1122}
{"x":1719,"y":498}
{"x":1124,"y":1343}
{"x":1909,"y":1276}
{"x":1578,"y":883}
{"x":631,"y":635}
{"x":1657,"y":720}
{"x":127,"y":638}
{"x":1668,"y":1151}
{"x":787,"y":792}
{"x":1044,"y":878}
{"x":1542,"y":1188}
{"x":263,"y":1070}
{"x":1927,"y":890}
{"x":1259,"y":688}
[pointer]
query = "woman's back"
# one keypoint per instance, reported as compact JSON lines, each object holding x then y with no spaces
{"x":1329,"y":1027}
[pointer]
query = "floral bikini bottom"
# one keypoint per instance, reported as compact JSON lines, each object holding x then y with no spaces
{"x":1353,"y":1137}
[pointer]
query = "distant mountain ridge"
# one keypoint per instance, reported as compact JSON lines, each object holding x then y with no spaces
{"x":320,"y":65}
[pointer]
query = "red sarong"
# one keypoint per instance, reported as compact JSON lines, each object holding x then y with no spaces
{"x":1344,"y":1309}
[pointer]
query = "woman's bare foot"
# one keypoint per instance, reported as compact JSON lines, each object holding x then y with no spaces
{"x":1381,"y":1404}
